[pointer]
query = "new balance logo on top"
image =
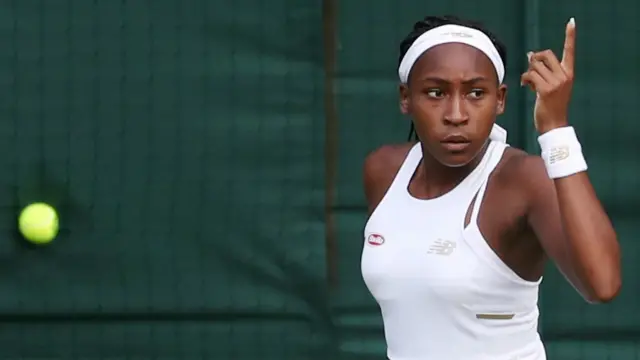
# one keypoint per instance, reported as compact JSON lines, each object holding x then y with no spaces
{"x":442,"y":247}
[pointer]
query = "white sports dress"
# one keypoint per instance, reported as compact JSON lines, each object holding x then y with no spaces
{"x":443,"y":292}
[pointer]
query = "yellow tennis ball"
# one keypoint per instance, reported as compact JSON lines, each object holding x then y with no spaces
{"x":38,"y":223}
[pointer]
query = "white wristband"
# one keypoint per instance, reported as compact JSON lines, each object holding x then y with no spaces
{"x":562,"y":152}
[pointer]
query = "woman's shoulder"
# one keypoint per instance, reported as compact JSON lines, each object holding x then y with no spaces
{"x":380,"y":168}
{"x":386,"y":159}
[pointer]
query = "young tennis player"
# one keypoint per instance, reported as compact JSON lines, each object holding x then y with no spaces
{"x":461,"y":224}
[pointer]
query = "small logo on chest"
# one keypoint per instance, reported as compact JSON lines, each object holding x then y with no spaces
{"x":442,"y":247}
{"x":375,"y":240}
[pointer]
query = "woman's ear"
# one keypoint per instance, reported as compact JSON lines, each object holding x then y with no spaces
{"x":405,"y":106}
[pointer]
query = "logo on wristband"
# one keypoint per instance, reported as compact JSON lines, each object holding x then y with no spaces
{"x":558,"y":154}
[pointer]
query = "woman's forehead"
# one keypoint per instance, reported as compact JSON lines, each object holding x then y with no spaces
{"x":453,"y":60}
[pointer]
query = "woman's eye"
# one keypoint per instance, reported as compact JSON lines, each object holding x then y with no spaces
{"x":435,"y":93}
{"x":476,"y":93}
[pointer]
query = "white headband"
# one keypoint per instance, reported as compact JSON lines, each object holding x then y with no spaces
{"x":455,"y":34}
{"x":450,"y":34}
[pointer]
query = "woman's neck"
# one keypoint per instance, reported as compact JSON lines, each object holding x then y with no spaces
{"x":436,"y":179}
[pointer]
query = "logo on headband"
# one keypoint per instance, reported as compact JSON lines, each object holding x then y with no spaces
{"x":458,"y":34}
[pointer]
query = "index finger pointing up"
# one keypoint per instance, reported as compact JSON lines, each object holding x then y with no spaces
{"x":568,"y":55}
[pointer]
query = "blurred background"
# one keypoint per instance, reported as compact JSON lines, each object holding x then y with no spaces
{"x":205,"y":157}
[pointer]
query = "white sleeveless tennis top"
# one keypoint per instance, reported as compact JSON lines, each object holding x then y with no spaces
{"x":443,"y":292}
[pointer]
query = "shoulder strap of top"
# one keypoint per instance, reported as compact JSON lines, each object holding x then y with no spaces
{"x":408,"y":167}
{"x":495,"y":157}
